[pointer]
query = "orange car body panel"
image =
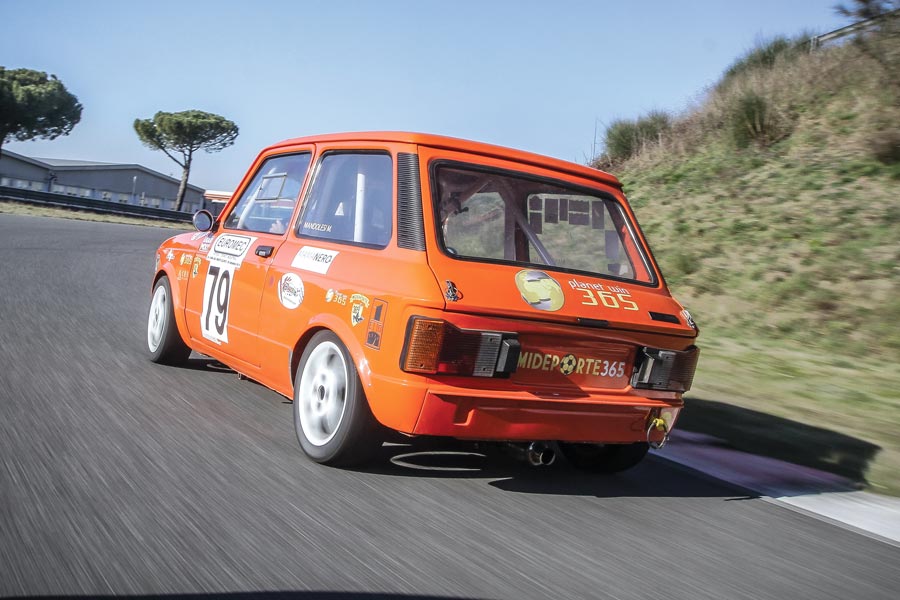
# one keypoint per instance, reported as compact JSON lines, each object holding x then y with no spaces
{"x":363,"y":293}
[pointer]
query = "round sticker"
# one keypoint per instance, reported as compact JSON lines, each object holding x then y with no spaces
{"x":290,"y":290}
{"x":540,"y":290}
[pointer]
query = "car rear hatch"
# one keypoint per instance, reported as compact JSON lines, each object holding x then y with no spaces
{"x":554,"y":258}
{"x":544,"y":248}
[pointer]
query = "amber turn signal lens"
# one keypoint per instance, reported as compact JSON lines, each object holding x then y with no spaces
{"x":437,"y":347}
{"x":424,"y":342}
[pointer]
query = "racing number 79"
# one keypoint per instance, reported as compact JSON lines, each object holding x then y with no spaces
{"x":220,"y":292}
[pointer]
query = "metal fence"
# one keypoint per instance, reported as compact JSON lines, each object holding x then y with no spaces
{"x":855,"y":28}
{"x":101,"y":206}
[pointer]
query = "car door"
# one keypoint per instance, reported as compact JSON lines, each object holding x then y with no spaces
{"x":223,"y":301}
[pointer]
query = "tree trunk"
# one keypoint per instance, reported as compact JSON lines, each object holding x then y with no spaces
{"x":182,"y":187}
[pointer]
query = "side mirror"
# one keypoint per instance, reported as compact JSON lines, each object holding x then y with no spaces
{"x":203,"y":220}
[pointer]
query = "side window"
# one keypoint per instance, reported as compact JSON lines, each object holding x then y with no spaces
{"x":268,"y":202}
{"x":351,"y":199}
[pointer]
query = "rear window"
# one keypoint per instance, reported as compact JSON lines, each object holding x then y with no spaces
{"x":500,"y":216}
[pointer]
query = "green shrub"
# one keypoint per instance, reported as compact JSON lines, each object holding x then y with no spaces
{"x":764,"y":55}
{"x":748,"y":119}
{"x":885,"y":146}
{"x":625,"y":138}
{"x":684,"y":263}
{"x":752,"y":120}
{"x":621,"y":140}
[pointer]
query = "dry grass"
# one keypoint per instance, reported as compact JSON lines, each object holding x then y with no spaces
{"x":37,"y":210}
{"x":793,"y":260}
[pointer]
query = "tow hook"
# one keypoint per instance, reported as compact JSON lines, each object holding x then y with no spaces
{"x":536,"y":454}
{"x":658,"y":424}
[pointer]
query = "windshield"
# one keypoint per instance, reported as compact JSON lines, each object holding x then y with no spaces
{"x":506,"y":217}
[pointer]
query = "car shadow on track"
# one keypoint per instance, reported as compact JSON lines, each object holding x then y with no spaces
{"x":199,"y":362}
{"x":426,"y":457}
{"x":779,"y":438}
{"x":454,"y":459}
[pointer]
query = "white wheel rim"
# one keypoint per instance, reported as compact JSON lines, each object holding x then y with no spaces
{"x":156,"y":322}
{"x":323,"y":393}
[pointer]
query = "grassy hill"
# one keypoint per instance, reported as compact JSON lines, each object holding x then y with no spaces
{"x":773,"y":207}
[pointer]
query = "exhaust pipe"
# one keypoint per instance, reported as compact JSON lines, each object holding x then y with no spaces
{"x":539,"y":454}
{"x":536,"y":454}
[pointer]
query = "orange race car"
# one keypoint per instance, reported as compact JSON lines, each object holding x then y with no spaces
{"x":433,"y":286}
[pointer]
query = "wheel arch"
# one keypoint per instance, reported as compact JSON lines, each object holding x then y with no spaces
{"x":345,"y":334}
{"x":177,"y":299}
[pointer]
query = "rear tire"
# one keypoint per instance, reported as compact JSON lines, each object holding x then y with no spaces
{"x":332,"y":419}
{"x":604,"y":458}
{"x":164,"y":343}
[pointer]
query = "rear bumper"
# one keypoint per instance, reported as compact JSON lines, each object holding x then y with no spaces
{"x":614,"y":419}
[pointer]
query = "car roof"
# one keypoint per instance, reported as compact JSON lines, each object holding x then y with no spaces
{"x":456,"y":144}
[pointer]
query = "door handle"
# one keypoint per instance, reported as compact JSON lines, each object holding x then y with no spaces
{"x":265,"y":251}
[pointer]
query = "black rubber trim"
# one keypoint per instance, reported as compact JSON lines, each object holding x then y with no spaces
{"x":410,"y":221}
{"x":598,"y":323}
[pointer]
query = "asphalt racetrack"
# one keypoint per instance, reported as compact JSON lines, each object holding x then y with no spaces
{"x":118,"y":476}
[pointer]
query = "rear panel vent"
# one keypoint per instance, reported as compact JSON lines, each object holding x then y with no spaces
{"x":410,"y":223}
{"x":664,"y":317}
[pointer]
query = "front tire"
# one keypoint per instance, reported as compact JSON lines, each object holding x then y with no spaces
{"x":604,"y":458}
{"x":164,"y":343}
{"x":331,"y":415}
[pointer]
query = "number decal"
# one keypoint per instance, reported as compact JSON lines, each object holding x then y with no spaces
{"x":622,"y":299}
{"x":588,"y":299}
{"x":609,"y":299}
{"x":216,"y":295}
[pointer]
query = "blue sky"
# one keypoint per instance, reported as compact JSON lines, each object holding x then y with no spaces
{"x":530,"y":75}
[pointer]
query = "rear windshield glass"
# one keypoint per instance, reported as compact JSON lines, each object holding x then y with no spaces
{"x":505,"y":217}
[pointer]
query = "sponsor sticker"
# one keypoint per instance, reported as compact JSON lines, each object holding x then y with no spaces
{"x":186,"y":259}
{"x":356,"y":314}
{"x":336,"y":297}
{"x":196,"y":268}
{"x":360,"y":298}
{"x":358,"y":305}
{"x":569,"y":364}
{"x":170,"y":255}
{"x":230,"y":249}
{"x":290,"y":291}
{"x":317,"y":260}
{"x":539,"y":290}
{"x":601,"y":294}
{"x":182,"y":274}
{"x":375,"y":328}
{"x":206,"y":243}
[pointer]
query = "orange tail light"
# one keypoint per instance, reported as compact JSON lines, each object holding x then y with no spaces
{"x":436,"y":347}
